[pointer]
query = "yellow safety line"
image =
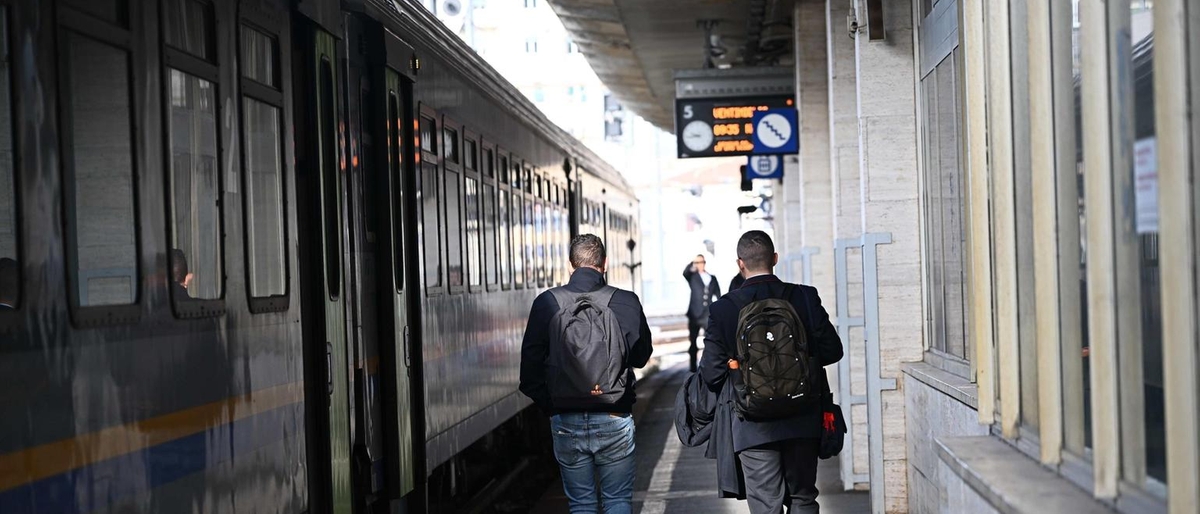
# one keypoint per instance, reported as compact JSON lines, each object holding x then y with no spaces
{"x":31,"y":464}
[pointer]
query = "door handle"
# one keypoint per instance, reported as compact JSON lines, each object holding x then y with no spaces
{"x":407,"y":363}
{"x":329,"y":368}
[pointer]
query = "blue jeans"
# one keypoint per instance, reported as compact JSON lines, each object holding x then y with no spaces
{"x":587,"y":444}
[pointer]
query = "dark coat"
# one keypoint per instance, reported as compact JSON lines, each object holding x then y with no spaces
{"x":719,"y":347}
{"x":701,"y":297}
{"x":535,"y":348}
{"x":736,"y":282}
{"x":702,"y":416}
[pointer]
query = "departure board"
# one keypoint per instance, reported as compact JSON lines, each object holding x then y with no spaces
{"x":720,"y":127}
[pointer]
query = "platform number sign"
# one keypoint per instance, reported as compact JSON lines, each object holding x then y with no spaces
{"x":719,"y":127}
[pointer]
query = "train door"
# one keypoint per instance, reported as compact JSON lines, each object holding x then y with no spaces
{"x":320,"y":205}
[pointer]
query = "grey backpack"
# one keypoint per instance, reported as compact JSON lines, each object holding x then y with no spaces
{"x":587,"y":351}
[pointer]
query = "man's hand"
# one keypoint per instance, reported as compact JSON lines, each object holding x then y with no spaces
{"x":732,"y":363}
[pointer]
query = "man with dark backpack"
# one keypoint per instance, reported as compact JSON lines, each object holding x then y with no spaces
{"x":772,"y":339}
{"x":581,"y":345}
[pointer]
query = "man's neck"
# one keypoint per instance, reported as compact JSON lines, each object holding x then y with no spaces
{"x":751,"y":274}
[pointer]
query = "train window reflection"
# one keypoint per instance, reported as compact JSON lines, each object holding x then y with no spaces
{"x":195,"y":216}
{"x":395,"y":171}
{"x":471,"y":202}
{"x":10,"y":291}
{"x":431,"y":224}
{"x":518,"y":237}
{"x":102,"y":226}
{"x":258,"y":57}
{"x":504,"y":236}
{"x":188,"y":26}
{"x":454,"y":228}
{"x":330,"y":186}
{"x":490,"y":234}
{"x":450,"y":144}
{"x":427,"y":138}
{"x":263,"y":149}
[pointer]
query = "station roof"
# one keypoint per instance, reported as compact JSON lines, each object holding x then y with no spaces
{"x":635,"y":46}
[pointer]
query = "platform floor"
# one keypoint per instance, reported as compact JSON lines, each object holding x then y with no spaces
{"x":674,"y":479}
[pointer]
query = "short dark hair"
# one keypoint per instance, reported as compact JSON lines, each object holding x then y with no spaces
{"x":179,"y":266}
{"x":587,"y":250}
{"x":756,"y":250}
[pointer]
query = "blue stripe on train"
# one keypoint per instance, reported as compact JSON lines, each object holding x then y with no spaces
{"x":138,"y":472}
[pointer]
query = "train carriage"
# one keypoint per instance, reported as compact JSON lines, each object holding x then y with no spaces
{"x":271,"y":256}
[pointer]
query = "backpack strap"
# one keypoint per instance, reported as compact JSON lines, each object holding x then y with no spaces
{"x":563,"y":297}
{"x":604,"y":295}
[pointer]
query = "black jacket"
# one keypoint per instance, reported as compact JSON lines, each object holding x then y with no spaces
{"x":719,"y":347}
{"x":702,"y":416}
{"x":535,"y":349}
{"x":701,"y":297}
{"x":736,"y":282}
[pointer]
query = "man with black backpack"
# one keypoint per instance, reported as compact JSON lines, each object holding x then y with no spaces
{"x":772,"y":339}
{"x":581,"y":345}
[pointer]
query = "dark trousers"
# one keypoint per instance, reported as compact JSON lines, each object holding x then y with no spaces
{"x":693,"y":334}
{"x":782,"y":474}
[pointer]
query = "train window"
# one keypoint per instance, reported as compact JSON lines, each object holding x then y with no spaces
{"x":539,"y":241}
{"x":516,"y":174}
{"x":470,"y":154}
{"x":471,"y":203}
{"x":503,"y":169}
{"x":431,"y":221}
{"x":194,"y":182}
{"x":10,"y":274}
{"x":490,"y":235}
{"x":518,"y":240}
{"x":101,"y":215}
{"x":188,"y":26}
{"x":396,"y":170}
{"x":504,"y":236}
{"x":454,"y":228}
{"x":330,"y":186}
{"x":450,"y":144}
{"x":259,"y":56}
{"x":114,"y":11}
{"x":428,"y":129}
{"x":530,"y":242}
{"x":489,"y":167}
{"x":265,"y":233}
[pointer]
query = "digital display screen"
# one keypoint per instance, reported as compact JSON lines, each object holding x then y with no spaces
{"x":720,"y":127}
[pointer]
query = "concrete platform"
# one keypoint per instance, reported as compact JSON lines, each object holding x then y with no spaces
{"x":674,"y":479}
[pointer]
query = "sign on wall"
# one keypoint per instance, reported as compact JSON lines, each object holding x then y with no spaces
{"x":721,"y":127}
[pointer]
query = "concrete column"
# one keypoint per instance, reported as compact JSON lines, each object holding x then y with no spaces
{"x":812,"y":95}
{"x":889,"y":193}
{"x":846,"y":206}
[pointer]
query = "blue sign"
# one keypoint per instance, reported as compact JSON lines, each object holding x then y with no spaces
{"x":776,"y":132}
{"x":764,"y":166}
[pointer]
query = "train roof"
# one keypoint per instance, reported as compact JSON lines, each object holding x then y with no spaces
{"x":418,"y":25}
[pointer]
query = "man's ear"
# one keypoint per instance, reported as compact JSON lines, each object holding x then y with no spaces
{"x":774,"y":259}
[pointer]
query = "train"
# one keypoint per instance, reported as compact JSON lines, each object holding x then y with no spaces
{"x":272,"y":256}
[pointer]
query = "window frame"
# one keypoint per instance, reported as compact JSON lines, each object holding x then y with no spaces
{"x":431,"y":157}
{"x":249,"y":88}
{"x":10,"y":318}
{"x":487,"y":161}
{"x":180,"y":60}
{"x":452,"y":166}
{"x":70,"y":20}
{"x":473,"y":172}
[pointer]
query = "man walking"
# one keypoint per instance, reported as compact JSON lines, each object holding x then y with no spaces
{"x":581,"y":345}
{"x":776,"y":434}
{"x":704,"y":291}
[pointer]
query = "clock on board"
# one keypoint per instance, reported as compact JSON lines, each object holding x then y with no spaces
{"x":697,"y":136}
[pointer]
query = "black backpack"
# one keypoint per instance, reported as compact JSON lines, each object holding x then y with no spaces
{"x":587,"y":350}
{"x":774,"y":359}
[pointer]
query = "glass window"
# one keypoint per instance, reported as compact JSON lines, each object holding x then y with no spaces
{"x":489,"y":167}
{"x":431,"y":224}
{"x":102,"y":221}
{"x":10,"y":274}
{"x":471,"y":202}
{"x":194,"y":182}
{"x":259,"y":54}
{"x":330,"y":185}
{"x":1077,"y":388}
{"x":188,"y":25}
{"x":450,"y":145}
{"x":396,"y":170}
{"x":472,"y":154}
{"x":504,"y":238}
{"x":264,"y":198}
{"x":539,"y":241}
{"x":428,"y":129}
{"x":518,"y":239}
{"x":454,"y":228}
{"x":530,"y":242}
{"x":490,"y":234}
{"x":503,"y":169}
